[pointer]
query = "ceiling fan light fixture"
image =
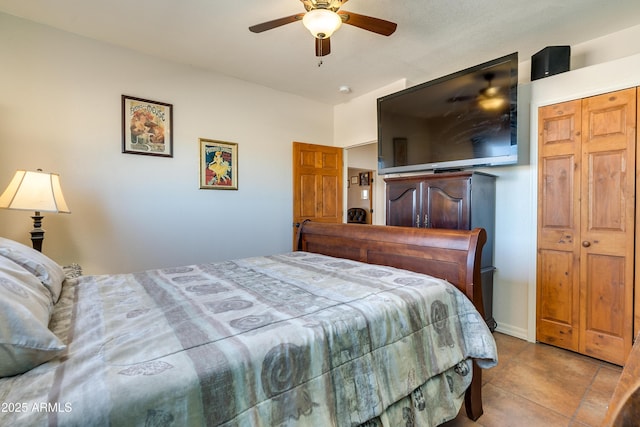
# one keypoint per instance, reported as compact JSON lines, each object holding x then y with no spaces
{"x":492,"y":103}
{"x":322,"y":23}
{"x":491,"y":91}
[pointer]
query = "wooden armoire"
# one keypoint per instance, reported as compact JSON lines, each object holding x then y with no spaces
{"x":587,"y":166}
{"x":456,"y":200}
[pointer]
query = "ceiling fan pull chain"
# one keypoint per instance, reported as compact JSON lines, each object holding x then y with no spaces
{"x":319,"y":42}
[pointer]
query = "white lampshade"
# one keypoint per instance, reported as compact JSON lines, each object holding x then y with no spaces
{"x":492,"y":103}
{"x":321,"y":22}
{"x":34,"y":191}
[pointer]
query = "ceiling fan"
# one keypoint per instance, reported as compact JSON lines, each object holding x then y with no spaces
{"x":489,"y":97}
{"x":323,"y":18}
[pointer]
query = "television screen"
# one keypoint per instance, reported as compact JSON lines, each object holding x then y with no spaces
{"x":465,"y":119}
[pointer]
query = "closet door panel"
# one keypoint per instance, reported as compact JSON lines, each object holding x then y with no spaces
{"x":636,"y":305}
{"x":558,"y":191}
{"x":606,"y":322}
{"x":558,"y":298}
{"x":608,"y":225}
{"x":558,"y":272}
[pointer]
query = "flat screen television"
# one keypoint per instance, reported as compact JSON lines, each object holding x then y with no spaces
{"x":462,"y":120}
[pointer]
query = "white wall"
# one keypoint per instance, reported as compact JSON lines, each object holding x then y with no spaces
{"x":60,"y":110}
{"x":598,"y":66}
{"x":355,"y":124}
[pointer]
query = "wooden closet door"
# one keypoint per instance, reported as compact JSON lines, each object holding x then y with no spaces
{"x":558,"y":271}
{"x":607,"y":225}
{"x":636,"y":303}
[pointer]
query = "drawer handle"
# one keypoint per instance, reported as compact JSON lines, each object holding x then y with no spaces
{"x":586,"y":243}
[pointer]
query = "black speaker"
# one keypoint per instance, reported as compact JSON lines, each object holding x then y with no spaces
{"x":549,"y":61}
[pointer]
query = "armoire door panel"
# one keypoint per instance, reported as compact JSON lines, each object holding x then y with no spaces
{"x":447,"y":204}
{"x":403,"y":205}
{"x":444,"y":210}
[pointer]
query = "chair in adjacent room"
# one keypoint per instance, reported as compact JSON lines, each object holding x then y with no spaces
{"x":357,"y":215}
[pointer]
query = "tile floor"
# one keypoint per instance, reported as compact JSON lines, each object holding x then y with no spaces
{"x":540,"y":385}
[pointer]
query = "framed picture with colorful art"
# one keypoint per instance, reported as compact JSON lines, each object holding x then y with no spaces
{"x":218,"y":165}
{"x":147,"y":127}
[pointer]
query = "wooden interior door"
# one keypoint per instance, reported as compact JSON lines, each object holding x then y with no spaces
{"x":558,"y":272}
{"x":317,"y":184}
{"x":607,"y":225}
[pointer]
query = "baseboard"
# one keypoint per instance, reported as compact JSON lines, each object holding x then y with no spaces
{"x":512,"y":331}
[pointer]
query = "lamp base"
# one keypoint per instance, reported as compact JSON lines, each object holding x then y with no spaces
{"x":37,"y":234}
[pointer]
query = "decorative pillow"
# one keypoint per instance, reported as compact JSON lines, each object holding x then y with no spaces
{"x":25,"y":339}
{"x":44,"y":268}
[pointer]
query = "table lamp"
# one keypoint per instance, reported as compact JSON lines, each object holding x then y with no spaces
{"x":35,"y":191}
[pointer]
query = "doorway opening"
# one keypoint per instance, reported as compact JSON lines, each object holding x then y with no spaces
{"x":359,"y":195}
{"x":361,"y":183}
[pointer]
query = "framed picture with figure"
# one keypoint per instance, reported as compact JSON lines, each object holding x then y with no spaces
{"x":147,"y":127}
{"x":218,"y":165}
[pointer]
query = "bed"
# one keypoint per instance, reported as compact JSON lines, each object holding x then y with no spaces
{"x":346,"y":331}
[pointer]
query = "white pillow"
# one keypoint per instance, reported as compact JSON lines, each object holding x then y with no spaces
{"x":44,"y":268}
{"x":25,"y":304}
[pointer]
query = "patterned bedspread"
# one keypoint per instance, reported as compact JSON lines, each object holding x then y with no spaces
{"x":294,"y":339}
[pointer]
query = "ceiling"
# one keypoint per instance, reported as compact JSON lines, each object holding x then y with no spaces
{"x":434,"y":37}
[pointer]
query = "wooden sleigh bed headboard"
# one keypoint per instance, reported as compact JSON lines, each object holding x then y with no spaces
{"x":453,"y":255}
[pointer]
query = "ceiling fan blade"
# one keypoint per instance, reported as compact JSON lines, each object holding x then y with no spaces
{"x":258,"y":28}
{"x":323,"y":46}
{"x":461,"y":98}
{"x":376,"y":25}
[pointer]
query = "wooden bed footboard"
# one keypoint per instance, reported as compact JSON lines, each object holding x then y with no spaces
{"x":453,"y":255}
